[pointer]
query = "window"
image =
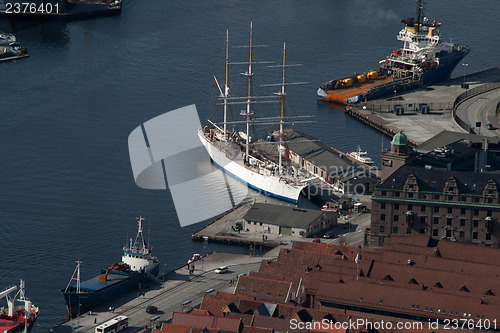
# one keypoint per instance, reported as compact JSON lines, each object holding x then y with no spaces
{"x":462,"y":211}
{"x":422,"y":219}
{"x":448,"y":233}
{"x":436,"y":196}
{"x":422,"y":231}
{"x":382,"y":205}
{"x":410,"y":195}
{"x":476,"y":212}
{"x":436,"y":209}
{"x":488,"y":213}
{"x":410,"y":207}
{"x":476,"y":223}
{"x":422,"y":208}
{"x":434,"y":232}
{"x":450,"y":210}
{"x":462,"y":234}
{"x":384,"y":193}
{"x":382,"y":228}
{"x":395,"y":230}
{"x":396,"y":218}
{"x":462,"y":222}
{"x":436,"y":220}
{"x":476,"y":199}
{"x":463,"y":198}
{"x":490,"y":200}
{"x":474,"y":235}
{"x":450,"y":197}
{"x":396,"y":206}
{"x":382,"y":217}
{"x":396,"y":194}
{"x":448,"y":221}
{"x":488,"y":236}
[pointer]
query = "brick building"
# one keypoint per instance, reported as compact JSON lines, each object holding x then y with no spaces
{"x":458,"y":206}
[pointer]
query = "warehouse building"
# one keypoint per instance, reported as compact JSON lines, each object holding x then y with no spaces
{"x":286,"y":220}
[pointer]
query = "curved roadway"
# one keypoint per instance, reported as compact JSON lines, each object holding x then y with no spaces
{"x":482,"y":108}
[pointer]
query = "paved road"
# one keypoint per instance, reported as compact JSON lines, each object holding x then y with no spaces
{"x":481,"y":108}
{"x":354,"y":235}
{"x":171,"y":301}
{"x":179,"y":287}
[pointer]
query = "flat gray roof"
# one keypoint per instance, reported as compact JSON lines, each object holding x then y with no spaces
{"x":284,"y":216}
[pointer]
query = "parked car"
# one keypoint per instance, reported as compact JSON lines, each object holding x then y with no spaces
{"x":329,"y":234}
{"x":489,"y":126}
{"x":195,"y":257}
{"x":221,"y":270}
{"x":151,"y":309}
{"x":316,"y":240}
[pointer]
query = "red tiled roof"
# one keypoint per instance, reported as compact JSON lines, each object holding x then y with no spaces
{"x":263,"y":289}
{"x":248,"y":329}
{"x":246,"y":319}
{"x":399,"y":299}
{"x":170,"y":328}
{"x":192,"y":320}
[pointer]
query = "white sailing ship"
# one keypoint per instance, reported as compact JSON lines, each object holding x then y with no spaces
{"x":230,"y":149}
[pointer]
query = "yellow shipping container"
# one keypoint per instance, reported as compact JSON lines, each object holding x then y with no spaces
{"x":347,"y":82}
{"x":372,"y":75}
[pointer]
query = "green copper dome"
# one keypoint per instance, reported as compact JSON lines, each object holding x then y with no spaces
{"x":399,"y":140}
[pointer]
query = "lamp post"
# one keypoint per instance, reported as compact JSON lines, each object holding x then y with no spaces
{"x":463,"y":84}
{"x":205,"y":241}
{"x":163,"y":276}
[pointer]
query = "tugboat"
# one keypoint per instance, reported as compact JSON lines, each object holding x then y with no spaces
{"x":425,"y":59}
{"x":17,"y":318}
{"x":137,"y":268}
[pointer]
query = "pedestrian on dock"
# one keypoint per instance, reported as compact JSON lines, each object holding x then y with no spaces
{"x":95,"y":320}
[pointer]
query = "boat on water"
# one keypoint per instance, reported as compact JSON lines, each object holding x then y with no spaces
{"x":10,"y":49}
{"x":423,"y":60}
{"x":137,"y":268}
{"x":361,"y":156}
{"x":232,"y":150}
{"x":6,"y":38}
{"x":20,"y":313}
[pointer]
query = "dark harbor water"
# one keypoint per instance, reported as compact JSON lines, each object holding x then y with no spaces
{"x":67,"y":190}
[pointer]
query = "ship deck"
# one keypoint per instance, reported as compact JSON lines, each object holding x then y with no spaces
{"x":10,"y":326}
{"x":95,"y":284}
{"x":340,"y":95}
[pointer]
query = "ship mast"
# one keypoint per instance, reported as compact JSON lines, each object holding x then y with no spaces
{"x":420,"y":13}
{"x":281,"y":149}
{"x":77,"y":278}
{"x":247,"y":113}
{"x":226,"y":88}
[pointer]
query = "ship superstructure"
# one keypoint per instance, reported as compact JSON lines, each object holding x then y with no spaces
{"x":424,"y":59}
{"x":137,"y":268}
{"x":20,"y":313}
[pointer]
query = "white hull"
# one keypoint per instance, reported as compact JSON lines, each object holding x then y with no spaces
{"x":268,"y":184}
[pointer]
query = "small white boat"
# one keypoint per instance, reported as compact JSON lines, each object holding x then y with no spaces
{"x":6,"y":38}
{"x":361,"y":156}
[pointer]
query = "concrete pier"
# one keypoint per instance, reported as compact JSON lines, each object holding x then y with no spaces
{"x":418,"y":127}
